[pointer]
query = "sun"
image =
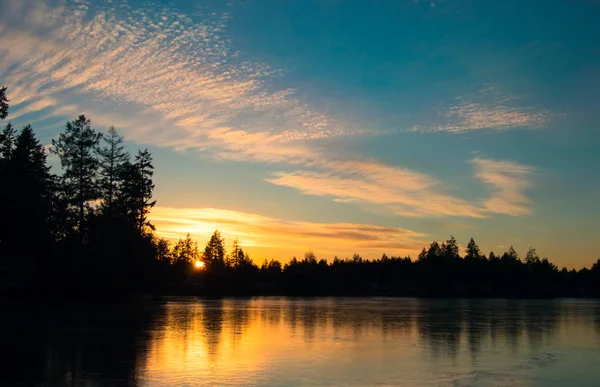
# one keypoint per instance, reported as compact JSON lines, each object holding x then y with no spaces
{"x":199,"y":264}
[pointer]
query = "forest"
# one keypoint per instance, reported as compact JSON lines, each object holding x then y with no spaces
{"x":84,"y":232}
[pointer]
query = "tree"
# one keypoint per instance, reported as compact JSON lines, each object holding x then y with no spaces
{"x":135,"y":196}
{"x":434,"y":252}
{"x":163,"y":250}
{"x":214,"y":252}
{"x":33,"y":183}
{"x":422,"y":255}
{"x":271,"y":267}
{"x":532,"y":259}
{"x":7,"y":174}
{"x":3,"y":103}
{"x":144,"y":202}
{"x":511,"y":255}
{"x":236,"y":255}
{"x":113,"y":159}
{"x":76,"y":147}
{"x":450,"y":249}
{"x":309,"y":257}
{"x":472,"y":251}
{"x":185,"y":251}
{"x":26,"y":207}
{"x":7,"y":142}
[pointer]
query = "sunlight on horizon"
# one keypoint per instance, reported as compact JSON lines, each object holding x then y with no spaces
{"x":270,"y":238}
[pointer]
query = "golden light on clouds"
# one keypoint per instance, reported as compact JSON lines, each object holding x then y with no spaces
{"x":265,"y":237}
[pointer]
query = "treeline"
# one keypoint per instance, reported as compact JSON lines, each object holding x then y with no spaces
{"x":85,"y":232}
{"x":439,"y":271}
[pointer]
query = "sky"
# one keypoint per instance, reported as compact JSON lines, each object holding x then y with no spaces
{"x":338,"y":126}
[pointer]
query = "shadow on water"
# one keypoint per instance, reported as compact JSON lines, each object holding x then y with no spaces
{"x":71,"y":344}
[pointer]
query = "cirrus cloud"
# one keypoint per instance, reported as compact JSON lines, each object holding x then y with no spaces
{"x":489,"y":108}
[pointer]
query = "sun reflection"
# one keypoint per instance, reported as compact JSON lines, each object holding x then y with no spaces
{"x":199,"y":265}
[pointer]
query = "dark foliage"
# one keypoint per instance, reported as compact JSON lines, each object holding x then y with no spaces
{"x":85,"y":232}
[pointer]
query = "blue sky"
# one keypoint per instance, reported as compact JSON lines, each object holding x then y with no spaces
{"x":337,"y":126}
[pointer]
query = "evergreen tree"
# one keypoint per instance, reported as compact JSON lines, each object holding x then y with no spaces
{"x":185,"y":251}
{"x":214,"y":252}
{"x":32,"y":187}
{"x":511,"y":255}
{"x":76,"y":147}
{"x":236,"y":257}
{"x":135,"y":195}
{"x":531,"y":258}
{"x":113,"y":159}
{"x":450,"y":249}
{"x":422,"y":255}
{"x":7,"y":142}
{"x":434,"y":252}
{"x":3,"y":103}
{"x":310,"y":257}
{"x":472,"y":252}
{"x":144,"y":202}
{"x":7,"y":175}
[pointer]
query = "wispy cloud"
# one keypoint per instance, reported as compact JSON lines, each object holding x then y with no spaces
{"x":184,"y":72}
{"x":167,"y":80}
{"x":400,"y":191}
{"x":508,"y":182}
{"x":488,"y":109}
{"x":408,"y":193}
{"x":266,"y":237}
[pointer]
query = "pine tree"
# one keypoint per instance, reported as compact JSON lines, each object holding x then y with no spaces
{"x":7,"y":175}
{"x":472,"y":251}
{"x":434,"y":252}
{"x":32,"y":190}
{"x":77,"y":148}
{"x":3,"y":103}
{"x":113,"y":159}
{"x":531,"y":258}
{"x":511,"y":255}
{"x":214,"y":252}
{"x":7,"y":142}
{"x":236,"y":257}
{"x":185,"y":251}
{"x":145,"y":188}
{"x":450,"y":249}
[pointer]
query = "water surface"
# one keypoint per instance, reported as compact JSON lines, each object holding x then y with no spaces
{"x":304,"y":342}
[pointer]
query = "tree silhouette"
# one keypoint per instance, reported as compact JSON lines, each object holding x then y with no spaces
{"x":214,"y":252}
{"x":7,"y":144}
{"x":113,"y":159}
{"x":32,"y":186}
{"x":472,"y":251}
{"x":3,"y":103}
{"x":76,"y":147}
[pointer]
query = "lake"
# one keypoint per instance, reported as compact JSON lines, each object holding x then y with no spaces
{"x":303,"y":342}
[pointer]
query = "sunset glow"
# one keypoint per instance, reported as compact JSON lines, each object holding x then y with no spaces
{"x":346,"y":134}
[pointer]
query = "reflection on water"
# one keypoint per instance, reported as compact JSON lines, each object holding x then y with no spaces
{"x":304,"y":342}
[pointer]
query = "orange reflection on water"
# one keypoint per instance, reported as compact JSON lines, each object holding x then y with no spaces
{"x":357,"y":342}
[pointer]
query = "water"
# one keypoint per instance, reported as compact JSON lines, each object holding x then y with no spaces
{"x":304,"y":342}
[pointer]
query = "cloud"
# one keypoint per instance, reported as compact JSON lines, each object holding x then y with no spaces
{"x":184,"y":73}
{"x":400,"y":191}
{"x":508,"y":181}
{"x":164,"y":79}
{"x":265,"y":236}
{"x":408,"y":193}
{"x":487,"y":109}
